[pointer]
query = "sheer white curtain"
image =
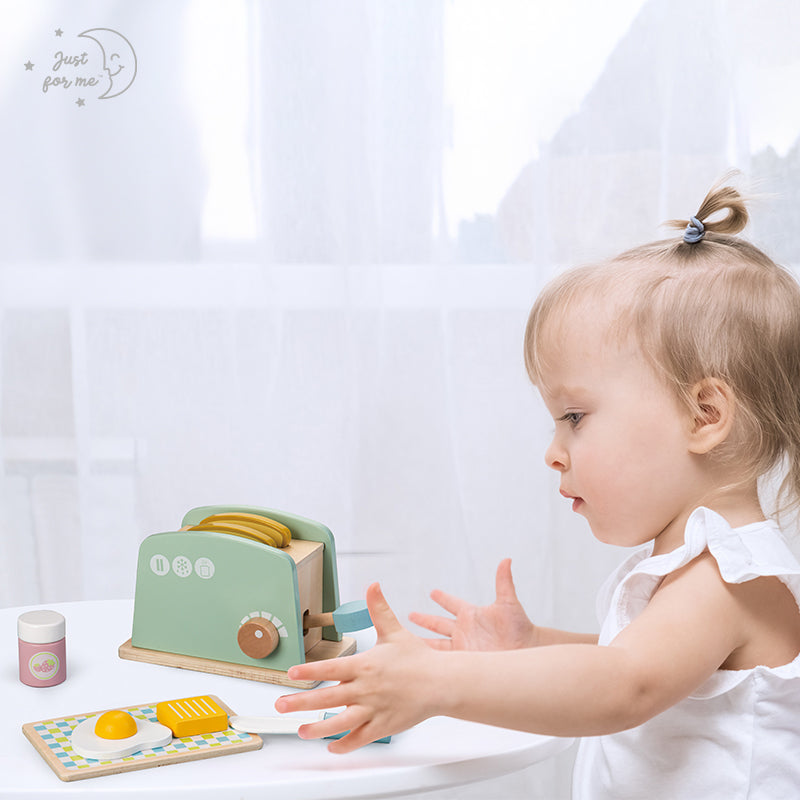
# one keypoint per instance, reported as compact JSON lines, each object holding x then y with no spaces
{"x":290,"y":265}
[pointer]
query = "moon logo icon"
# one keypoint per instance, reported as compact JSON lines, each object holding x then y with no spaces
{"x":119,"y":59}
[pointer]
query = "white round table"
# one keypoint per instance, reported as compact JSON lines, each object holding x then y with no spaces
{"x":438,"y":753}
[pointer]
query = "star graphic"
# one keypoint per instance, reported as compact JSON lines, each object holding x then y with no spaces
{"x":80,"y":102}
{"x":59,"y":32}
{"x":28,"y":65}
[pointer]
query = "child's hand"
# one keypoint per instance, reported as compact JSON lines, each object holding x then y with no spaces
{"x":504,"y":625}
{"x":384,"y":688}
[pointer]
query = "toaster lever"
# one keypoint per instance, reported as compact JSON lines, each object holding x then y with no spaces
{"x":353,"y":616}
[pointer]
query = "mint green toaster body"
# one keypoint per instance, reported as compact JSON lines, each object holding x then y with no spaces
{"x":195,"y":589}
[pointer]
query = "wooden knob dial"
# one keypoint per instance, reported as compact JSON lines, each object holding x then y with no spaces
{"x":258,"y":637}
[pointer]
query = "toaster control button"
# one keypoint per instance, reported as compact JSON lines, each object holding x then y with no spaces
{"x":204,"y":568}
{"x":159,"y":564}
{"x":181,"y":566}
{"x":258,"y":637}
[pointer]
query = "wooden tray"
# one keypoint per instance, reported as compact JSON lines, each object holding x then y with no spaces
{"x":51,"y":737}
{"x":324,"y":649}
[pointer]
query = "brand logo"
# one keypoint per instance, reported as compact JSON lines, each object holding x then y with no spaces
{"x":44,"y":665}
{"x":97,"y":64}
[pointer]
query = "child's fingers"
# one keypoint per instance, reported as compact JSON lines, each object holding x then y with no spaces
{"x":329,"y":697}
{"x":383,"y":618}
{"x":329,"y":669}
{"x":448,"y":602}
{"x":358,"y":737}
{"x":354,"y":721}
{"x":440,"y":625}
{"x":504,"y":583}
{"x":352,"y":717}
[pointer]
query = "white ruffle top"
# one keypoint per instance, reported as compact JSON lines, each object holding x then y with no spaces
{"x":738,"y":735}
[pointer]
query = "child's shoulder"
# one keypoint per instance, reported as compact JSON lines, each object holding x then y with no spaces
{"x":763,"y":610}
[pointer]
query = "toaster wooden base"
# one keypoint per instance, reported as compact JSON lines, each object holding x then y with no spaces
{"x":323,"y":650}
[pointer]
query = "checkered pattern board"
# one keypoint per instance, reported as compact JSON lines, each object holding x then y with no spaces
{"x":52,"y":739}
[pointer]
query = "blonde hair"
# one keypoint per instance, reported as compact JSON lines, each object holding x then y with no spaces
{"x":715,"y":308}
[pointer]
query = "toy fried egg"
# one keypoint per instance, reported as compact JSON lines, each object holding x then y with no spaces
{"x":116,"y":734}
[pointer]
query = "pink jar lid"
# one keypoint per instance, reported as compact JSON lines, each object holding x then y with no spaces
{"x":41,"y":627}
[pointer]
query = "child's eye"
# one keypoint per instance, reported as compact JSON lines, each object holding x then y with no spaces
{"x":573,"y":417}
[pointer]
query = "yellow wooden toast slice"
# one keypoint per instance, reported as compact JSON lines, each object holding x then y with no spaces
{"x":192,"y":716}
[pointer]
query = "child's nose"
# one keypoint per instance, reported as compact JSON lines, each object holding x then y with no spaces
{"x":556,"y":456}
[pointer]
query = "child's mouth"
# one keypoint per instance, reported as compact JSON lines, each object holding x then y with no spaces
{"x":577,"y":502}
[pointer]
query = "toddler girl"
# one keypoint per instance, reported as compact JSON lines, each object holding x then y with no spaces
{"x":673,"y":375}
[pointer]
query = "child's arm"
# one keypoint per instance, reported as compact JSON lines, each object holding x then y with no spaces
{"x":503,"y":625}
{"x":687,"y":630}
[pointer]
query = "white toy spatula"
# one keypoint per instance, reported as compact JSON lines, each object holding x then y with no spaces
{"x":278,"y":725}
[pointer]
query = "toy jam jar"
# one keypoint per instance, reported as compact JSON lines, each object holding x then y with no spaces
{"x":42,"y":648}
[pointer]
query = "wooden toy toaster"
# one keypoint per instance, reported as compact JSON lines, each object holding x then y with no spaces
{"x":217,"y":599}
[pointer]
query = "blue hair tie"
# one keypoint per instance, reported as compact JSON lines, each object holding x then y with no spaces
{"x":694,"y":232}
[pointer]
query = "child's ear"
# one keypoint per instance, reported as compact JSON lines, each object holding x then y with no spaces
{"x":712,"y":415}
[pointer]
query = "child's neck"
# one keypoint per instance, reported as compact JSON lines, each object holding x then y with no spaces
{"x":738,"y":507}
